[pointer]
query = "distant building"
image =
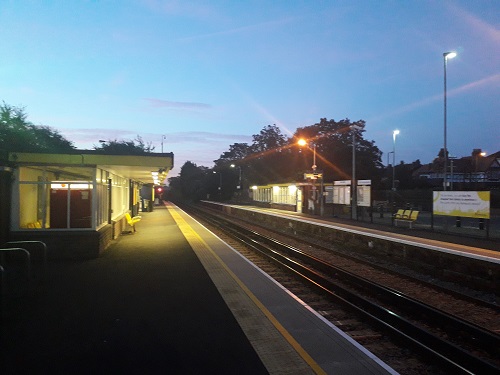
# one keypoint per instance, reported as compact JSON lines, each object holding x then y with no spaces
{"x":475,"y":172}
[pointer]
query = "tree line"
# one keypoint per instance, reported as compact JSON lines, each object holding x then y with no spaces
{"x":17,"y":134}
{"x":273,"y":157}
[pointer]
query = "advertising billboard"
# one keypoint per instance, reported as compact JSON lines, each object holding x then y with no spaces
{"x":475,"y":204}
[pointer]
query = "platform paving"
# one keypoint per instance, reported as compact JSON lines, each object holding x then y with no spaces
{"x":145,"y":306}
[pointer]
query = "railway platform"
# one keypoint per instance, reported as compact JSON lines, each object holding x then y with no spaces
{"x":171,"y":298}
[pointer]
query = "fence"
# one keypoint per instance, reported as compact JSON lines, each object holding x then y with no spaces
{"x":386,"y":206}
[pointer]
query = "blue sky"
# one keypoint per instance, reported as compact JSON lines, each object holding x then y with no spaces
{"x":207,"y":74}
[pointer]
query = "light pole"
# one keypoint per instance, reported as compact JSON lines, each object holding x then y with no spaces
{"x":446,"y":56}
{"x":354,"y":201}
{"x":220,"y":184}
{"x":162,"y":138}
{"x":388,"y":154}
{"x":303,"y":142}
{"x":239,"y":178}
{"x":394,"y":134}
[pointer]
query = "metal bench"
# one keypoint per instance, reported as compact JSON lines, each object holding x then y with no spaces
{"x":408,"y":217}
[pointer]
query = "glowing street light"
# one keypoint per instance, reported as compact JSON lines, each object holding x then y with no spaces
{"x":239,"y":178}
{"x":446,"y":56}
{"x":303,"y":142}
{"x":394,"y":134}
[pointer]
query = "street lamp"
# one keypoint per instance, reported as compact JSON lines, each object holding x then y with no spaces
{"x":354,"y":201}
{"x":394,"y":134}
{"x":388,"y":154}
{"x":239,"y":178}
{"x":220,"y":180}
{"x":446,"y":56}
{"x":303,"y":142}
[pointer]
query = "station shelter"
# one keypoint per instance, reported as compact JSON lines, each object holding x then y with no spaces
{"x":304,"y":197}
{"x":77,"y":202}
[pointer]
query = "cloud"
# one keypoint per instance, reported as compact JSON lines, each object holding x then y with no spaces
{"x":180,"y":8}
{"x":493,"y":79}
{"x":477,"y":24}
{"x":259,"y":27}
{"x":198,"y":147}
{"x":87,"y":138}
{"x":159,"y":103}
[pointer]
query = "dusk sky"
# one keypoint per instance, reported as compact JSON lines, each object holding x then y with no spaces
{"x":207,"y":74}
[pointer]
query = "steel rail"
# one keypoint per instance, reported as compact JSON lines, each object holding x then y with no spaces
{"x":448,"y":354}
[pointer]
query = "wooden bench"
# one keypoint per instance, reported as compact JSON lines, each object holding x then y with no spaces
{"x":407,"y":216}
{"x":132,"y":220}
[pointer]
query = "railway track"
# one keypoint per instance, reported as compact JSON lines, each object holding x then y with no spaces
{"x":456,"y":345}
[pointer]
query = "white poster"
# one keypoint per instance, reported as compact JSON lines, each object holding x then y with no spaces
{"x":364,"y":196}
{"x":342,"y":195}
{"x":474,"y":204}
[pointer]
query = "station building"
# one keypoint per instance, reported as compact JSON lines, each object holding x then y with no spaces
{"x":75,"y":202}
{"x":294,"y":196}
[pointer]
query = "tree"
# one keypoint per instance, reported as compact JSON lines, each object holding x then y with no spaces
{"x":270,"y":138}
{"x":237,"y":152}
{"x":334,"y":142}
{"x":269,"y":158}
{"x":18,"y":134}
{"x":262,"y":162}
{"x":134,"y":147}
{"x":191,"y":184}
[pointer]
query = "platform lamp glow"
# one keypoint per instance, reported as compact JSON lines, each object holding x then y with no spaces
{"x":446,"y":56}
{"x":303,"y":142}
{"x":394,"y":134}
{"x":239,"y":177}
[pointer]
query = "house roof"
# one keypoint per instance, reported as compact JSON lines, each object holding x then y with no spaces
{"x":465,"y":164}
{"x":135,"y":167}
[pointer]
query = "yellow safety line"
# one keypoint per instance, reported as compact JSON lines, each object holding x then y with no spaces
{"x":192,"y":237}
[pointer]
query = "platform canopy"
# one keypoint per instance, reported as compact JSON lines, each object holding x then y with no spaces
{"x":140,"y":168}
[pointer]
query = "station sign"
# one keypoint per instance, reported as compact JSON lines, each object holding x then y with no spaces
{"x":342,"y":183}
{"x":313,"y":175}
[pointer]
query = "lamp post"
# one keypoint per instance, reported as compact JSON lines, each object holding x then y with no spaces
{"x":354,"y":201}
{"x":303,"y":142}
{"x":388,"y":154}
{"x":239,"y":178}
{"x":162,"y":138}
{"x":394,"y":134}
{"x":446,"y":56}
{"x":220,"y":184}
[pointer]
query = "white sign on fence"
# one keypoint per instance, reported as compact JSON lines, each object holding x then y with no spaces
{"x":364,"y":196}
{"x":474,"y":204}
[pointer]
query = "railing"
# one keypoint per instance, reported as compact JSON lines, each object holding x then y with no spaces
{"x":12,"y":275}
{"x":21,"y":263}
